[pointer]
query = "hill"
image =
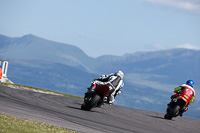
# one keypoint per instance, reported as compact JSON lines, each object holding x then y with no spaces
{"x":149,"y":76}
{"x":30,"y":47}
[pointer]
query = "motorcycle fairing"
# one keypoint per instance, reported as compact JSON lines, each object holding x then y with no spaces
{"x":103,"y":90}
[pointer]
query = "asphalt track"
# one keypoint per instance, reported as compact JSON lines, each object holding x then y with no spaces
{"x":65,"y":112}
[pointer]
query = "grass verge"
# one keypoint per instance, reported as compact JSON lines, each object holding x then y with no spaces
{"x":10,"y":124}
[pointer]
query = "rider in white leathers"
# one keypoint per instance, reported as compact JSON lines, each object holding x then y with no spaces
{"x":115,"y":82}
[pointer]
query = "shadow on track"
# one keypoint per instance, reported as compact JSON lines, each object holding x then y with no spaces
{"x":78,"y":108}
{"x":73,"y":107}
{"x":157,"y":117}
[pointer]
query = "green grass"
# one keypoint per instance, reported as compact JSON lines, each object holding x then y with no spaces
{"x":10,"y":124}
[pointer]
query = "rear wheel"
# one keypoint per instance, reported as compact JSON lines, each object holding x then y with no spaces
{"x":92,"y":103}
{"x":173,"y":113}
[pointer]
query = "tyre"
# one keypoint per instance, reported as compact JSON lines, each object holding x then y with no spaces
{"x":92,"y":103}
{"x":83,"y":107}
{"x":173,"y":113}
{"x":176,"y":111}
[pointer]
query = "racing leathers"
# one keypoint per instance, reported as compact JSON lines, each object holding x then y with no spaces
{"x":188,"y":92}
{"x":115,"y":84}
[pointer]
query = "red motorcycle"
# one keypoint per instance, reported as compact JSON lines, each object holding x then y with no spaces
{"x":95,"y":96}
{"x":177,"y":105}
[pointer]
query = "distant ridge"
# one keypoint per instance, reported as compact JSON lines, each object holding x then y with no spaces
{"x":30,"y":47}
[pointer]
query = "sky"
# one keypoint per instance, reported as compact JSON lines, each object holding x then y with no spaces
{"x":106,"y":27}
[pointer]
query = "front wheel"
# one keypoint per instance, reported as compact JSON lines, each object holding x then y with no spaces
{"x":92,"y":103}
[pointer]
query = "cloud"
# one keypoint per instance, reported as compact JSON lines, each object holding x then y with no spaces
{"x":188,"y":5}
{"x":188,"y":46}
{"x":153,"y":47}
{"x":159,"y":47}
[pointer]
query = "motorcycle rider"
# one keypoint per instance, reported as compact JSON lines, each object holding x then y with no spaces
{"x":115,"y":82}
{"x":188,"y":91}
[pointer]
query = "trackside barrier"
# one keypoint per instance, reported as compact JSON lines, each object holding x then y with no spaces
{"x":4,"y":67}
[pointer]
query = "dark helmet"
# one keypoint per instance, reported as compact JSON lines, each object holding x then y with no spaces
{"x":190,"y":82}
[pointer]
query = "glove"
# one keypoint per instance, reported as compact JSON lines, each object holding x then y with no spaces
{"x":179,"y":91}
{"x":105,"y":76}
{"x":102,"y":77}
{"x":97,"y":82}
{"x":93,"y":82}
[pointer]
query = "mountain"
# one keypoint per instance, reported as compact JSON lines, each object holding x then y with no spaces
{"x":46,"y":64}
{"x":149,"y":76}
{"x":5,"y":41}
{"x":30,"y":47}
{"x":172,"y":66}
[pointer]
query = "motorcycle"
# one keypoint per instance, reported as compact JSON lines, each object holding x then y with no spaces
{"x":95,"y":96}
{"x":177,"y":106}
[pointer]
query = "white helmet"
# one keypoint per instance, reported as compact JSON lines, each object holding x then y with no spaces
{"x":120,"y":74}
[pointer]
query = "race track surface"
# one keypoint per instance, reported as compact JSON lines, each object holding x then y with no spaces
{"x":65,"y":112}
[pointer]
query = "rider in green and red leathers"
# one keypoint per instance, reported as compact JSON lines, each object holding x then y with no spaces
{"x":187,"y":91}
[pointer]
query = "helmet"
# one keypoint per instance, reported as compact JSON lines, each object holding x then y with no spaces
{"x":190,"y":82}
{"x":120,"y":74}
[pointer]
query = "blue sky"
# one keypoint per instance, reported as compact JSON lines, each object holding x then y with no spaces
{"x":106,"y":27}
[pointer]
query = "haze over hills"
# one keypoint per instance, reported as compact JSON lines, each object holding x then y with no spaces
{"x":149,"y":76}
